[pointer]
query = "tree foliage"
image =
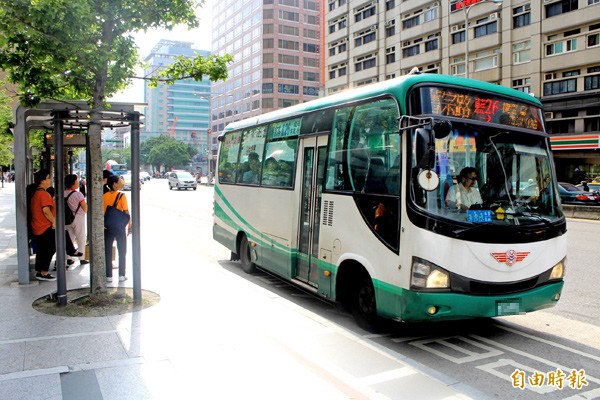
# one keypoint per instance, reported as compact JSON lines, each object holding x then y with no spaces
{"x":6,"y":138}
{"x":170,"y":154}
{"x":84,"y":49}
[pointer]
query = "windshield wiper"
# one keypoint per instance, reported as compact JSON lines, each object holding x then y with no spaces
{"x":460,"y":232}
{"x":536,"y":216}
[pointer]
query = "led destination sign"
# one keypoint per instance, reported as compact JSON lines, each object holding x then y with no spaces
{"x":479,"y":107}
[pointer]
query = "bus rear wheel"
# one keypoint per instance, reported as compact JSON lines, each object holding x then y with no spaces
{"x":245,"y":258}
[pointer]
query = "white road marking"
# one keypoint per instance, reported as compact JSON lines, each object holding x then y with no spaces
{"x":492,"y":369}
{"x":387,"y":376}
{"x":469,"y":355}
{"x":545,"y":341}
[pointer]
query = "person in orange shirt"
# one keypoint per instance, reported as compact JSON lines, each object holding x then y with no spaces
{"x":115,"y":184}
{"x":43,"y":225}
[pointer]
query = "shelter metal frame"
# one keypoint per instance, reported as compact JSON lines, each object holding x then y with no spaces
{"x":59,"y":117}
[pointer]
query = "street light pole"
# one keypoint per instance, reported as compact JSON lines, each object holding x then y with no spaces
{"x":466,"y":8}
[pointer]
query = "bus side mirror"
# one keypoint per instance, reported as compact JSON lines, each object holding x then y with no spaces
{"x":425,"y":151}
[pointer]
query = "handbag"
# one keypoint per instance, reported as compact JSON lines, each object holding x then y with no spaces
{"x":115,"y":219}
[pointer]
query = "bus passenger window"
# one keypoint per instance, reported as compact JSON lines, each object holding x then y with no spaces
{"x":228,"y":158}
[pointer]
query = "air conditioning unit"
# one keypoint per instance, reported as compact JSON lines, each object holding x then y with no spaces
{"x":548,"y":115}
{"x":404,"y":44}
{"x":548,"y":77}
{"x":374,"y":28}
{"x":389,"y":23}
{"x":493,"y":16}
{"x":454,"y":28}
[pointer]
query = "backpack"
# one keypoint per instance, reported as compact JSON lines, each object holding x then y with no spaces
{"x":69,"y":214}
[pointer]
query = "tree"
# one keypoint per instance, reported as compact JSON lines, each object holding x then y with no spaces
{"x":6,"y":138}
{"x":147,"y":145}
{"x":84,"y":49}
{"x":170,"y":154}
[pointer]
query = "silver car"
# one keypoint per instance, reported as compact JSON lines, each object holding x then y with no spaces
{"x":181,"y":180}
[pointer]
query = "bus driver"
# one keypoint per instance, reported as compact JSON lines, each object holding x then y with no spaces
{"x":464,"y":194}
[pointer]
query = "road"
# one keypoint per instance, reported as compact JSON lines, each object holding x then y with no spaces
{"x":480,"y":354}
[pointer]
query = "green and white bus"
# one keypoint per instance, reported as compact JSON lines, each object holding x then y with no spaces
{"x":348,"y":197}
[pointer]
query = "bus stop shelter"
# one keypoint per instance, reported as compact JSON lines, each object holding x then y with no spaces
{"x":66,"y":124}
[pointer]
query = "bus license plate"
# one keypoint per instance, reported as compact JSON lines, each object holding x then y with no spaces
{"x":507,"y":308}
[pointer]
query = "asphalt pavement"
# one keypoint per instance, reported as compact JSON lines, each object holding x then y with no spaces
{"x":184,"y":348}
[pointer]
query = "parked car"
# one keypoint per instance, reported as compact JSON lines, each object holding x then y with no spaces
{"x":182,"y":180}
{"x":594,"y":187}
{"x":571,"y":194}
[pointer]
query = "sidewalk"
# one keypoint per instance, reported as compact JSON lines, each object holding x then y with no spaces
{"x":187,"y":347}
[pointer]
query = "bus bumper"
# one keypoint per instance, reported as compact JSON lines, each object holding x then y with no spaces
{"x":428,"y":306}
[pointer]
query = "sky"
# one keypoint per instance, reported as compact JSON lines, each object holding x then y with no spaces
{"x":201,"y":37}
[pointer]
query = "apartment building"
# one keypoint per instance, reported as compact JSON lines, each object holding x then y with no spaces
{"x":276,"y":46}
{"x":550,"y":49}
{"x":180,"y":110}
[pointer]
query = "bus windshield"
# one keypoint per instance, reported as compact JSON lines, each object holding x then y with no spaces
{"x":490,"y":175}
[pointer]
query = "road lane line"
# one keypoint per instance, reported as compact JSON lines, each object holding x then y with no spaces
{"x":546,"y":341}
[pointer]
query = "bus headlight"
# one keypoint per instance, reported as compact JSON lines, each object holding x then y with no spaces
{"x":426,"y":275}
{"x":558,"y":271}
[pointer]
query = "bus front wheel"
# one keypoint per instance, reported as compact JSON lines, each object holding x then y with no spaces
{"x":245,"y":258}
{"x":364,"y":307}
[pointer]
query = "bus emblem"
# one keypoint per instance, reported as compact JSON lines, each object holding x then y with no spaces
{"x":510,"y":257}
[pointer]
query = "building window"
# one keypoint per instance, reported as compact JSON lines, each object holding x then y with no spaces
{"x":267,"y":102}
{"x":288,"y":74}
{"x":521,"y":52}
{"x":431,"y":45}
{"x":410,"y":22}
{"x":430,"y":14}
{"x":486,"y":29}
{"x":366,"y":37}
{"x":564,"y":46}
{"x":365,"y":62}
{"x":558,"y":87}
{"x":390,"y":4}
{"x":390,"y":29}
{"x":561,"y":7}
{"x":289,"y":44}
{"x":486,"y":60}
{"x":289,"y":16}
{"x":364,"y":13}
{"x":267,"y":73}
{"x":267,"y":88}
{"x":521,"y":16}
{"x":310,"y":91}
{"x":591,"y":82}
{"x":310,"y":47}
{"x":390,"y":55}
{"x":332,"y":6}
{"x":311,"y":62}
{"x":286,"y":88}
{"x":288,"y":59}
{"x":411,"y":51}
{"x":593,"y":39}
{"x":310,"y":76}
{"x":592,"y":2}
{"x":342,"y":2}
{"x":342,"y":24}
{"x":522,"y":85}
{"x":458,"y":37}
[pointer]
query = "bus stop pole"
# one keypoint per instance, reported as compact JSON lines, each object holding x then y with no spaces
{"x":59,"y":195}
{"x":135,"y":205}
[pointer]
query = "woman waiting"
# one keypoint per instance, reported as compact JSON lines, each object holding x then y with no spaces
{"x":117,"y":198}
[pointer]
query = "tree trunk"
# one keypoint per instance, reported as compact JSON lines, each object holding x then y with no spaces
{"x":98,"y":266}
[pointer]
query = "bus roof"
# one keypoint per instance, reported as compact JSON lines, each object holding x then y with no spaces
{"x":397,"y":86}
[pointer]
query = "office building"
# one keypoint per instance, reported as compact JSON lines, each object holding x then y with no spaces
{"x":550,"y":49}
{"x":276,"y":46}
{"x":180,"y":110}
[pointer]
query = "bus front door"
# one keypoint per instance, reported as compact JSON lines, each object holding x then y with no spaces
{"x":314,"y":151}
